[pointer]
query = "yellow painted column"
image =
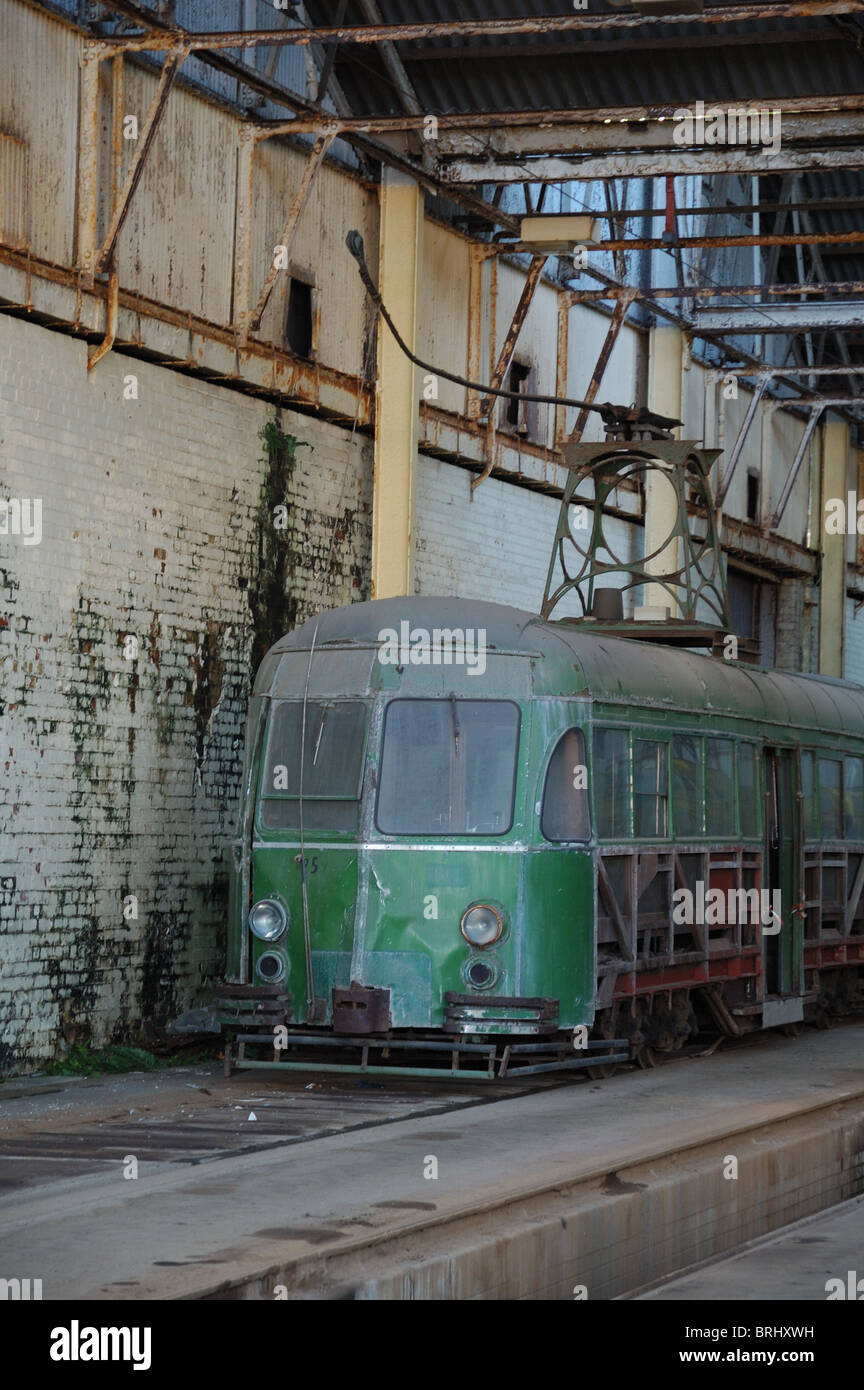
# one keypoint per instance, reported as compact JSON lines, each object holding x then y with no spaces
{"x":661,"y":507}
{"x":396,"y":388}
{"x":832,"y":589}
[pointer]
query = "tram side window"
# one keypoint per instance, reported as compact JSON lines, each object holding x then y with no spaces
{"x":650,"y":789}
{"x":808,"y":791}
{"x":748,"y":790}
{"x":829,"y":799}
{"x":332,"y":765}
{"x":610,"y":780}
{"x":720,"y":787}
{"x":687,"y":791}
{"x":564,"y":813}
{"x":853,"y":798}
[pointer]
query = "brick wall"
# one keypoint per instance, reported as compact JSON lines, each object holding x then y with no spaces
{"x":121,"y":764}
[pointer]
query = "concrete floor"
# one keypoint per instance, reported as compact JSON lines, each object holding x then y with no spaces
{"x":191,"y":1221}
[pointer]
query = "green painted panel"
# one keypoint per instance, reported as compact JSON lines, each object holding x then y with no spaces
{"x":559,"y":936}
{"x":415,"y":903}
{"x":331,"y":888}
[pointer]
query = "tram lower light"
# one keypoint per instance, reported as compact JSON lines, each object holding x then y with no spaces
{"x":268,"y":920}
{"x":481,"y":924}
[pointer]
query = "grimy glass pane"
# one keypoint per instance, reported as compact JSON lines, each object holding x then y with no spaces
{"x":808,"y":790}
{"x":448,"y":767}
{"x":650,"y":788}
{"x":829,"y":799}
{"x":853,"y":798}
{"x":564,"y":815}
{"x":719,"y":786}
{"x":610,"y":781}
{"x":749,"y":790}
{"x":687,"y":794}
{"x":332,"y":754}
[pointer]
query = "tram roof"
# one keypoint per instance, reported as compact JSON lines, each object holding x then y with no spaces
{"x":614,"y":669}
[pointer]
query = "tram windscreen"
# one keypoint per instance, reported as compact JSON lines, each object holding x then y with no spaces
{"x":332,"y":765}
{"x":448,"y":767}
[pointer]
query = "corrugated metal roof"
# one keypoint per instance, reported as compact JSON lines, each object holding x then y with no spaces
{"x":740,"y":61}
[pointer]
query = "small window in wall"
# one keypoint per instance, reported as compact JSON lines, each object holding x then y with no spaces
{"x":687,"y":793}
{"x":749,"y":790}
{"x":753,"y":489}
{"x":719,"y":788}
{"x":829,"y":799}
{"x":610,"y":779}
{"x":650,"y":789}
{"x":298,"y":318}
{"x":853,"y":798}
{"x":564,"y":814}
{"x":515,"y":412}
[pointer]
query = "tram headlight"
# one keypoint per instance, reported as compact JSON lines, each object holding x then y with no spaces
{"x":268,"y":920}
{"x":481,"y":924}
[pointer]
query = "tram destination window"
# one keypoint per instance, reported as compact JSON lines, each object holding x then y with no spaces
{"x":564,"y":812}
{"x":335,"y":733}
{"x":650,"y":789}
{"x":611,"y":781}
{"x":448,"y":767}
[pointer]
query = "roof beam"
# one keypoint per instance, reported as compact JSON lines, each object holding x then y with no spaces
{"x":740,"y":159}
{"x":500,"y":28}
{"x":779,"y":318}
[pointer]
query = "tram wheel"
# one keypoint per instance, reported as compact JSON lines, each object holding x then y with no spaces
{"x":645,"y":1057}
{"x":792,"y":1030}
{"x":602,"y":1071}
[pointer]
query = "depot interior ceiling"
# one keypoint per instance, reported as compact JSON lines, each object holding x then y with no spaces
{"x":533,"y":94}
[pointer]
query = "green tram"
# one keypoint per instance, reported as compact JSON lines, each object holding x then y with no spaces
{"x":475,"y":841}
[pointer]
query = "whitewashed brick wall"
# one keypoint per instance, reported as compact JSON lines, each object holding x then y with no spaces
{"x":120,"y":777}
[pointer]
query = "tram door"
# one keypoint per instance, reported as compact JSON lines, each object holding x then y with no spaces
{"x":782,"y":951}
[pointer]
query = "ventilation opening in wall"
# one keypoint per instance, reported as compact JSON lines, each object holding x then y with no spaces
{"x":299,"y":318}
{"x":753,"y":482}
{"x":516,"y":411}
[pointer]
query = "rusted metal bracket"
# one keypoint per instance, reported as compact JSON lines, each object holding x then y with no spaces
{"x":111,"y":308}
{"x":167,"y":77}
{"x":532,"y":279}
{"x":316,"y":155}
{"x":738,"y":447}
{"x":618,"y":316}
{"x":815,"y":415}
